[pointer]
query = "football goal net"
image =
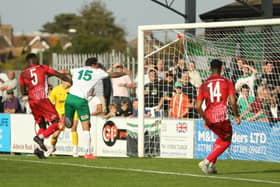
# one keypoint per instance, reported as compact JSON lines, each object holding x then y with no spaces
{"x":173,"y":61}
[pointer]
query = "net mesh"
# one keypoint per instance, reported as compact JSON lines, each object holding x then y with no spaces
{"x":176,"y":58}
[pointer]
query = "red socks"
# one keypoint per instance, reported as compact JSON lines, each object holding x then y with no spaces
{"x":50,"y":130}
{"x":219,"y":147}
{"x":40,"y":131}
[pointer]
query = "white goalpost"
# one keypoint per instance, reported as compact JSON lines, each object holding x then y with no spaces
{"x":171,"y":54}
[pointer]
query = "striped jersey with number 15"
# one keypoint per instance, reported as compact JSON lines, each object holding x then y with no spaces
{"x":84,"y":79}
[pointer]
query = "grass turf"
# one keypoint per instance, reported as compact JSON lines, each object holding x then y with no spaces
{"x":64,"y":171}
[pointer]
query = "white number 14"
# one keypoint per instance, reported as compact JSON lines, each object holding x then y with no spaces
{"x":214,"y":92}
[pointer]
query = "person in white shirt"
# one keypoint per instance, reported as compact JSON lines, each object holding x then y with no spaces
{"x":10,"y":84}
{"x":248,"y":77}
{"x":3,"y":79}
{"x":195,"y":78}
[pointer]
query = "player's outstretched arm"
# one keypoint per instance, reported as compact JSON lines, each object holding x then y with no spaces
{"x":234,"y":107}
{"x":117,"y":74}
{"x":63,"y":77}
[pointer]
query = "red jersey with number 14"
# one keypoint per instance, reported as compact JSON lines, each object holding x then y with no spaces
{"x":215,"y":91}
{"x":35,"y":77}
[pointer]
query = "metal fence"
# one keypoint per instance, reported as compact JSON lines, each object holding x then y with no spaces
{"x":68,"y":61}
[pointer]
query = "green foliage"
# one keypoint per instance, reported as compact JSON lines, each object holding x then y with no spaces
{"x":96,"y":30}
{"x":88,"y":44}
{"x":62,"y":23}
{"x":14,"y":64}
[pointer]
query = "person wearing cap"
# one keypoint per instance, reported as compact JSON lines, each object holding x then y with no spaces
{"x":179,"y":103}
{"x":11,"y":103}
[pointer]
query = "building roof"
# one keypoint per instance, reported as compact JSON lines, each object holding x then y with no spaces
{"x":237,"y":11}
{"x":4,"y":42}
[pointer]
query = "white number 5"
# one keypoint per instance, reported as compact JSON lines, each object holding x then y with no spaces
{"x":34,"y":77}
{"x":214,"y":92}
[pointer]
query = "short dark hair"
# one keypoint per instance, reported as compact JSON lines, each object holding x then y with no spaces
{"x":101,"y":66}
{"x":245,"y":86}
{"x":269,"y":62}
{"x":216,"y":64}
{"x":30,"y":56}
{"x":91,"y":61}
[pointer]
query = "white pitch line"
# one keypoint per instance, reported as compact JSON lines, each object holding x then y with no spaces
{"x":143,"y":171}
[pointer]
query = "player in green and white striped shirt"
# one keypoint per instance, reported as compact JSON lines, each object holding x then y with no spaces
{"x":84,"y":79}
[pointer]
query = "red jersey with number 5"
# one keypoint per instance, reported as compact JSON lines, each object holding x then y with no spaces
{"x":215,"y":91}
{"x":35,"y":77}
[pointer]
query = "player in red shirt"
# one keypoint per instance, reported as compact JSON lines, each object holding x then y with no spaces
{"x":33,"y":81}
{"x":215,"y":91}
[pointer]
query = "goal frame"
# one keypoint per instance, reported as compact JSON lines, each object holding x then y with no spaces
{"x":143,"y":28}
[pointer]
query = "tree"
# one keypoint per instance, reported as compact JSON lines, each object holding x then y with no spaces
{"x":62,"y":23}
{"x":96,"y":29}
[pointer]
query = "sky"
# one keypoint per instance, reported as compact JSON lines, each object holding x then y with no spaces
{"x":28,"y":16}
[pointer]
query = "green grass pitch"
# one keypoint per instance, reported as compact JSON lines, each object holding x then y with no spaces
{"x":64,"y":171}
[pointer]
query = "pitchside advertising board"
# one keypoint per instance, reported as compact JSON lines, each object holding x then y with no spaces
{"x":176,"y":140}
{"x":117,"y":137}
{"x":250,"y":141}
{"x":108,"y":137}
{"x":5,"y":133}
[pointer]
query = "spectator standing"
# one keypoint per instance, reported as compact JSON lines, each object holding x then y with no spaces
{"x":107,"y":89}
{"x":121,"y":86}
{"x":25,"y":105}
{"x":179,"y":103}
{"x":152,"y":94}
{"x":160,"y":69}
{"x":273,"y":109}
{"x":248,"y":77}
{"x":195,"y":77}
{"x":271,"y":77}
{"x":191,"y":92}
{"x":99,"y":92}
{"x":167,"y":90}
{"x":180,"y":68}
{"x":236,"y":69}
{"x":3,"y":79}
{"x":11,"y":83}
{"x":11,"y":103}
{"x":96,"y":106}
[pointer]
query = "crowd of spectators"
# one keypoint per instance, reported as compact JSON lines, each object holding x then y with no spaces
{"x":170,"y":90}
